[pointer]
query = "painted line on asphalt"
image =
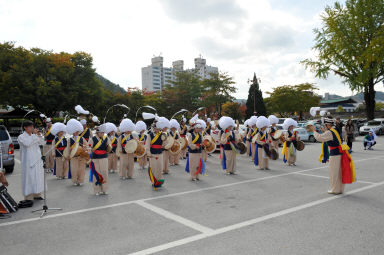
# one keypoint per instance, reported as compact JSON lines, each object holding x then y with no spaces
{"x":325,"y":177}
{"x":250,"y":222}
{"x":175,"y":217}
{"x":163,"y":196}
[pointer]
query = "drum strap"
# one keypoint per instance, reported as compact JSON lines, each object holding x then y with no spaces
{"x":114,"y":139}
{"x":142,"y":137}
{"x":99,"y":142}
{"x":155,"y":138}
{"x":59,"y":141}
{"x":174,"y":135}
{"x":49,"y":131}
{"x":124,"y":138}
{"x":85,"y":130}
{"x":254,"y":132}
{"x":77,"y":140}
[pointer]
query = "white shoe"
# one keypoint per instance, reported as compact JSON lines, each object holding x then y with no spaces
{"x":75,"y":184}
{"x":104,"y":193}
{"x":124,"y":178}
{"x":97,"y":193}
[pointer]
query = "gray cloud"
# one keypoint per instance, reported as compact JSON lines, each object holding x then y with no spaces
{"x":200,"y":11}
{"x":266,"y":36}
{"x":218,"y":50}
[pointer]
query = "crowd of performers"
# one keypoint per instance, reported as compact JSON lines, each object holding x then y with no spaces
{"x":70,"y":147}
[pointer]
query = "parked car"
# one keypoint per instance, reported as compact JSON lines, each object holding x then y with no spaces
{"x":7,"y":160}
{"x":377,"y":125}
{"x":15,"y":142}
{"x":304,"y":135}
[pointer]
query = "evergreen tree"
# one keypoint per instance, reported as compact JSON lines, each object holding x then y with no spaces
{"x":252,"y":104}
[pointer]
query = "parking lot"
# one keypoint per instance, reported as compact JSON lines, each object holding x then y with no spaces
{"x":285,"y":210}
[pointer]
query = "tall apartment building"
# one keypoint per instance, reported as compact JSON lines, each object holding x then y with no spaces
{"x":155,"y":77}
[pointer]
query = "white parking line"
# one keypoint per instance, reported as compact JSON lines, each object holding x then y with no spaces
{"x":174,"y":217}
{"x":250,"y":222}
{"x":325,"y":177}
{"x":165,"y":196}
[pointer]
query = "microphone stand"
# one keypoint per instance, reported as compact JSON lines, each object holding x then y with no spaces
{"x":45,"y":208}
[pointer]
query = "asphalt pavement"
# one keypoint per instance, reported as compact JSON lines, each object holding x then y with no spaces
{"x":285,"y":210}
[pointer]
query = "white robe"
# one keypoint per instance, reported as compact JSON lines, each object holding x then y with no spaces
{"x":32,"y":175}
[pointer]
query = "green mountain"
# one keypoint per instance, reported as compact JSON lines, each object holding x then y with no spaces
{"x":110,"y":85}
{"x":379,"y":96}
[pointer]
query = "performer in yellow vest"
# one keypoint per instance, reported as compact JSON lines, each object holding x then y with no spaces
{"x":263,"y":142}
{"x":291,"y":137}
{"x":77,"y":163}
{"x":251,"y":133}
{"x":175,"y":126}
{"x":111,"y":130}
{"x":155,"y":151}
{"x":141,"y":128}
{"x":229,"y":138}
{"x":59,"y":145}
{"x":183,"y":134}
{"x":195,"y":165}
{"x":272,"y":129}
{"x":127,"y":160}
{"x":98,"y":167}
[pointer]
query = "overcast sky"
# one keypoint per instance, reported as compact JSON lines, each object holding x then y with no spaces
{"x":240,"y":37}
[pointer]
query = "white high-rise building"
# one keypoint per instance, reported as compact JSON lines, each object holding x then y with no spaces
{"x":155,"y":77}
{"x":202,"y":69}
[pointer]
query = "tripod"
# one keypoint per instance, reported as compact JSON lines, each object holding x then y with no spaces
{"x":45,"y":208}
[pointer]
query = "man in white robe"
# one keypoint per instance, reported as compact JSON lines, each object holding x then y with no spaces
{"x":32,"y":171}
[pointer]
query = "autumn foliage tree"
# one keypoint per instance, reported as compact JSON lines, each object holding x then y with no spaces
{"x":350,"y":45}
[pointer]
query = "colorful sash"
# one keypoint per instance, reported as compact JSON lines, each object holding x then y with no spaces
{"x":155,"y":183}
{"x":324,"y":156}
{"x":99,"y":178}
{"x":199,"y":170}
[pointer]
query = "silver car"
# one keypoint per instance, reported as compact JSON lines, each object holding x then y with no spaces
{"x":7,"y":154}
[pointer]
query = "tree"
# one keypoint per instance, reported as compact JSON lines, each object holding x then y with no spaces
{"x":379,"y":107}
{"x":185,"y":92}
{"x":255,"y":103}
{"x":217,"y":90}
{"x":49,"y":82}
{"x":350,"y":45}
{"x":232,"y":109}
{"x":285,"y":100}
